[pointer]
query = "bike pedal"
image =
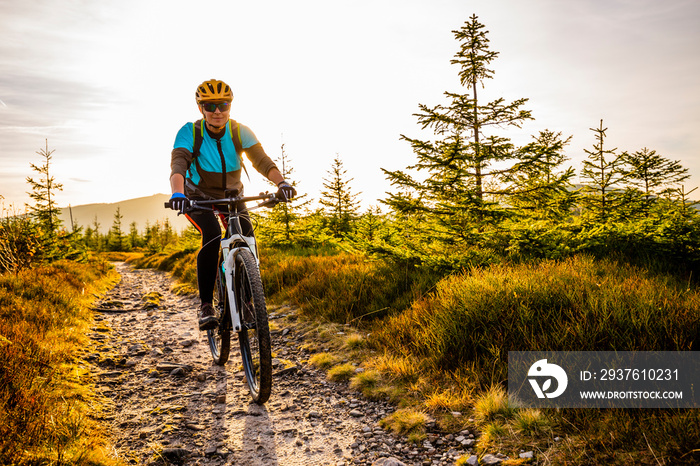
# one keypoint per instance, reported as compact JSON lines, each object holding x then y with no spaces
{"x":208,"y":324}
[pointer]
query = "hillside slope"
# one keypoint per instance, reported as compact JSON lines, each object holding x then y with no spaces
{"x":141,"y":210}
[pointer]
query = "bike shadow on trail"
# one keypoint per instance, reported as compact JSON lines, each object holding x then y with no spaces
{"x":259,"y":436}
{"x":245,"y":426}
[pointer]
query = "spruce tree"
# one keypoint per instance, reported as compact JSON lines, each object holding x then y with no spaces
{"x":603,"y":176}
{"x":544,"y":190}
{"x":90,"y":238}
{"x":680,"y":199}
{"x":117,"y":238}
{"x":339,"y":201}
{"x":281,"y":224}
{"x":134,"y":237}
{"x":462,"y":174}
{"x":652,"y":174}
{"x":150,"y":238}
{"x":167,"y":234}
{"x":287,"y":213}
{"x":45,"y":209}
{"x":370,"y":224}
{"x":98,"y":243}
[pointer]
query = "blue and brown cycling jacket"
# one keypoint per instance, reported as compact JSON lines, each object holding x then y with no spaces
{"x":218,"y":165}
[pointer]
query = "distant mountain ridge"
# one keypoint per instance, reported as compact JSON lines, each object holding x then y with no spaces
{"x":141,"y":210}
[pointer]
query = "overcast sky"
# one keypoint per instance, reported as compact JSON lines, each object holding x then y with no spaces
{"x":109,"y":83}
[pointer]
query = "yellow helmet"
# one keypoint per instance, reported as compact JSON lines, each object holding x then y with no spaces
{"x":213,"y":90}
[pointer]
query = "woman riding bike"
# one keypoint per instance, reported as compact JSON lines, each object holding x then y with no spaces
{"x":206,"y":162}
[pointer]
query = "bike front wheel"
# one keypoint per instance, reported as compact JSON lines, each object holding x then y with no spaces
{"x":254,"y":336}
{"x":219,"y":338}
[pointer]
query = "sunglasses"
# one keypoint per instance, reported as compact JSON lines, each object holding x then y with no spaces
{"x":211,"y":107}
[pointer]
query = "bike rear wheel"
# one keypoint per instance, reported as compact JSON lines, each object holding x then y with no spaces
{"x":254,"y":336}
{"x":219,"y":338}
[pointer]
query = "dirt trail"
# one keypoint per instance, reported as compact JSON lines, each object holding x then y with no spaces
{"x":171,"y":405}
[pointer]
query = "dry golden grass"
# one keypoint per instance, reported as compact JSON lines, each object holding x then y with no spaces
{"x":369,"y":383}
{"x":492,"y":436}
{"x":354,"y":341}
{"x":408,"y":421}
{"x":402,"y":369}
{"x":120,"y":256}
{"x":531,"y":422}
{"x":46,"y":399}
{"x":493,"y":405}
{"x":341,"y":372}
{"x":449,"y":399}
{"x":324,"y":360}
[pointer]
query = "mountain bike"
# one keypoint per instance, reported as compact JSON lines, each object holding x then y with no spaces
{"x":239,"y":298}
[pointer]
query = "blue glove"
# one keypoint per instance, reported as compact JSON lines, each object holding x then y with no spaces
{"x":286,"y":192}
{"x":179,"y":201}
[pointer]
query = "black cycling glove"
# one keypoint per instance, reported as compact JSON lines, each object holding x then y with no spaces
{"x":179,"y":202}
{"x":286,"y":192}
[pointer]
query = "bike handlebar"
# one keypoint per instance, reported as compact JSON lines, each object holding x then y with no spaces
{"x":270,"y":201}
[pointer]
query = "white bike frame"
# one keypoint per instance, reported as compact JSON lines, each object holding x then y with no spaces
{"x":230,"y":270}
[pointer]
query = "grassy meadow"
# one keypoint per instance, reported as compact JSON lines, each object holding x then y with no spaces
{"x":45,"y":389}
{"x":437,"y":346}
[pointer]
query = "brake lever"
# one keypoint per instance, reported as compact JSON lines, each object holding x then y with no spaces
{"x":271,"y":202}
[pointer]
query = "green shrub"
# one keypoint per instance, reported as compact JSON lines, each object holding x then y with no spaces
{"x":20,"y":243}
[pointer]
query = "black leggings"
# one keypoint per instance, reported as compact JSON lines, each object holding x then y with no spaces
{"x":208,"y":256}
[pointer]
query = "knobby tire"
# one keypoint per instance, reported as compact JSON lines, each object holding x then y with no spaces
{"x":254,"y":337}
{"x":219,"y":338}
